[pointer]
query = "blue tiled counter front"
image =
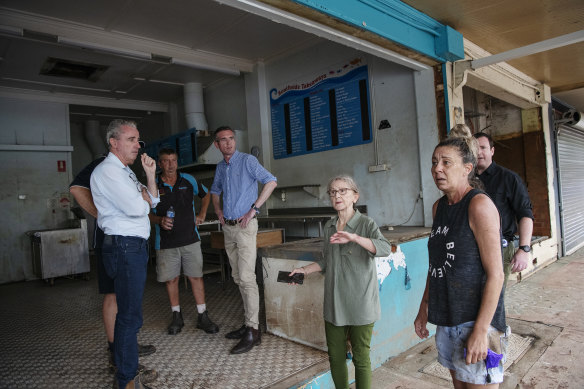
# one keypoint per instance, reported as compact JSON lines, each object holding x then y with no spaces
{"x":295,"y":312}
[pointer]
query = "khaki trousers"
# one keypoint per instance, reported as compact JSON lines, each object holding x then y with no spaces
{"x":508,"y":253}
{"x":240,"y":245}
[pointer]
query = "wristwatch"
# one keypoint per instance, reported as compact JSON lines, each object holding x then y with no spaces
{"x":526,"y":248}
{"x":255,"y":208}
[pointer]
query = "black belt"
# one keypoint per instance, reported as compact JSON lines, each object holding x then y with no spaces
{"x":233,"y":222}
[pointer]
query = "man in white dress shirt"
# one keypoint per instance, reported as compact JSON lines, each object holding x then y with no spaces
{"x":123,"y":205}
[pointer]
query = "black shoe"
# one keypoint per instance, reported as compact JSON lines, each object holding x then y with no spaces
{"x":252,"y":337}
{"x":177,"y":323}
{"x":146,"y":349}
{"x":237,"y":334}
{"x":205,"y":324}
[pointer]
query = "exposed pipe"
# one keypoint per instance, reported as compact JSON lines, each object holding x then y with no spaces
{"x":95,"y":141}
{"x":574,"y":119}
{"x":194,"y":107}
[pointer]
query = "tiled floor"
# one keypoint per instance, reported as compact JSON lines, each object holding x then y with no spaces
{"x":52,"y":337}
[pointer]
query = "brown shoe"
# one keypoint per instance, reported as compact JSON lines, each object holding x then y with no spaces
{"x":252,"y":337}
{"x":136,"y":383}
{"x":142,"y":375}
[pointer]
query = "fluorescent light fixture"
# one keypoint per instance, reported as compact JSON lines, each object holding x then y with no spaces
{"x":158,"y":81}
{"x":106,"y":49}
{"x":10,"y":30}
{"x":57,"y":85}
{"x":214,"y":68}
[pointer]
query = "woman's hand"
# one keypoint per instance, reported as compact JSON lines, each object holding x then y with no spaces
{"x":341,"y":237}
{"x":299,"y":270}
{"x":420,"y":325}
{"x":476,"y":347}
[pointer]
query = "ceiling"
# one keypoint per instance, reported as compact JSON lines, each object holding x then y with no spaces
{"x":208,"y":42}
{"x":501,"y":25}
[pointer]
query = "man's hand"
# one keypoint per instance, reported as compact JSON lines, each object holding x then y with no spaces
{"x":245,"y":219}
{"x":148,"y":164}
{"x":146,"y":196}
{"x":520,"y":261}
{"x":219,"y":214}
{"x":200,"y":218}
{"x":166,"y":223}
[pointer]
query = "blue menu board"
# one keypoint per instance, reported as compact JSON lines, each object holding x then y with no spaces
{"x":184,"y":143}
{"x":329,"y":112}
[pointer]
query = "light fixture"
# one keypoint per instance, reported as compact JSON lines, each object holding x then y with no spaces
{"x":10,"y":30}
{"x":57,"y":85}
{"x":214,"y":68}
{"x":106,"y":49}
{"x":158,"y":81}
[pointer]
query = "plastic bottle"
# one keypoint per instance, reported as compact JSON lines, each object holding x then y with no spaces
{"x":170,"y":213}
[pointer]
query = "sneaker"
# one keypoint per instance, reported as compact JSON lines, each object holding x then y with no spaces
{"x":204,"y":323}
{"x":177,"y":323}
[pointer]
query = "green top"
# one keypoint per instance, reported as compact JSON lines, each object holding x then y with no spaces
{"x":351,"y":291}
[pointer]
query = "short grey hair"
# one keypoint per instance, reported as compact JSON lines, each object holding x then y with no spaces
{"x":347,"y":179}
{"x":115,"y":129}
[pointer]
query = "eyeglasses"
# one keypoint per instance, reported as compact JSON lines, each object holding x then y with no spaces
{"x":341,"y":191}
{"x":138,"y":184}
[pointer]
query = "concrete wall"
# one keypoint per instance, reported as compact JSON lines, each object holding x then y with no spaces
{"x":392,"y":196}
{"x":33,"y":175}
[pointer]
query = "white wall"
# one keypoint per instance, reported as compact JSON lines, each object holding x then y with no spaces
{"x":32,"y":174}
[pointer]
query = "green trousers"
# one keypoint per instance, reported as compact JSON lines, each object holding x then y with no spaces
{"x":336,"y":340}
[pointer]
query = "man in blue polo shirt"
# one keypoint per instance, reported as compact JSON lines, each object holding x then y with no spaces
{"x":237,"y":178}
{"x":178,"y":243}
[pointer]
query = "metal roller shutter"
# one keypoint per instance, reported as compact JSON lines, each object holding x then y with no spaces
{"x":571,"y":178}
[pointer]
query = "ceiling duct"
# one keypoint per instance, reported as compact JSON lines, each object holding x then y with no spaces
{"x":93,"y":137}
{"x":194,"y":107}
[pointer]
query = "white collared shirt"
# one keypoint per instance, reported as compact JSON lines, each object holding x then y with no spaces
{"x":117,"y":195}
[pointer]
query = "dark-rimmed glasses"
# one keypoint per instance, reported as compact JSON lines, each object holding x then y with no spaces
{"x":341,"y":191}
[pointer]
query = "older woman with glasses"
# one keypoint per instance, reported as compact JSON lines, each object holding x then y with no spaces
{"x":351,"y":295}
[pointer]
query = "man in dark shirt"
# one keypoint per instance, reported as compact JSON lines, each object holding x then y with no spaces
{"x":178,"y":244}
{"x":511,"y":198}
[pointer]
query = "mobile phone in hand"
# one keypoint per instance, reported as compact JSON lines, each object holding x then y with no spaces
{"x":297,"y":278}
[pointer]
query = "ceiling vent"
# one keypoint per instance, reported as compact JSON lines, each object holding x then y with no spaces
{"x":72,"y":69}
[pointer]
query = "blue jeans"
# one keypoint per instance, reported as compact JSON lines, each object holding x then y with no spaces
{"x":125,"y":259}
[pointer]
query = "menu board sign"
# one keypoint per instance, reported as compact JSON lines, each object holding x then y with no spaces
{"x":184,"y":143}
{"x":329,"y":111}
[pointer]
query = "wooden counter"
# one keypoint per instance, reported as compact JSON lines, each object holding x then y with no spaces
{"x":311,"y":249}
{"x":265,"y":238}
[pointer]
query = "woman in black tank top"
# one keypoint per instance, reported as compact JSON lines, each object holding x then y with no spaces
{"x":465,"y":277}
